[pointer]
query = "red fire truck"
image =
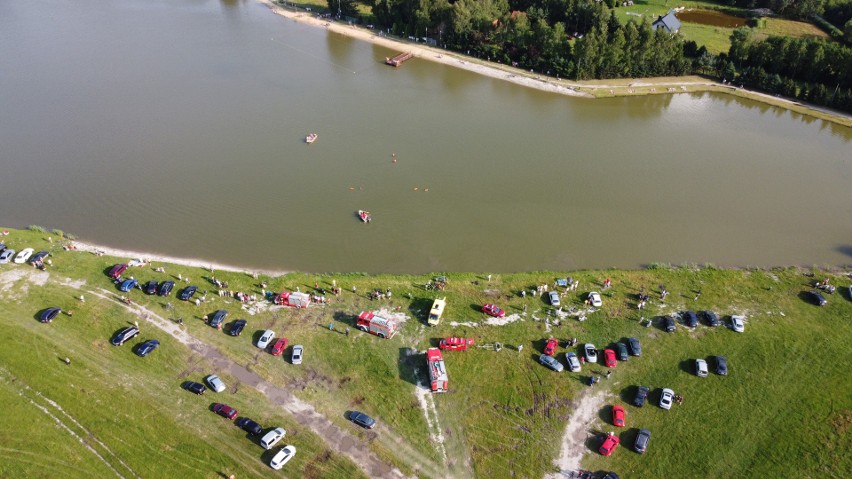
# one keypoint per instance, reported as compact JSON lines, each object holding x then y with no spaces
{"x":437,"y":370}
{"x":294,"y":300}
{"x":381,"y":327}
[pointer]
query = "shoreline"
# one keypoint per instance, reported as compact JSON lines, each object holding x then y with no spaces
{"x":622,"y":87}
{"x":87,"y":247}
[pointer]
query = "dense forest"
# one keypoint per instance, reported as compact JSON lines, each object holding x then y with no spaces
{"x":583,"y":39}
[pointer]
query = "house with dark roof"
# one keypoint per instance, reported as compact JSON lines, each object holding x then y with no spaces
{"x":670,"y":22}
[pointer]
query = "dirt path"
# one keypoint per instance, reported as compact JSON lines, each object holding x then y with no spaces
{"x":574,"y":440}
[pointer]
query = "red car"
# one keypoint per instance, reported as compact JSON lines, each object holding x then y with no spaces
{"x":609,"y":358}
{"x":456,"y":344}
{"x":117,"y":271}
{"x":618,"y":416}
{"x":279,"y":347}
{"x":493,"y":310}
{"x":224,"y":410}
{"x":609,"y":444}
{"x":550,"y":347}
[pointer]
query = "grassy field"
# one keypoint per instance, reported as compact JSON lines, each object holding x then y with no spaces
{"x":783,"y":411}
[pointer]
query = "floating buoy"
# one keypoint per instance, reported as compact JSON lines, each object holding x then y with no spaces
{"x":351,"y":188}
{"x":415,"y":188}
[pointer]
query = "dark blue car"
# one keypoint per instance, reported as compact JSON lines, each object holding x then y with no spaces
{"x":166,"y":288}
{"x":128,"y":284}
{"x":187,"y":293}
{"x":218,"y":318}
{"x":48,"y":314}
{"x":249,"y":426}
{"x":237,"y":327}
{"x":150,"y":287}
{"x":147,"y":347}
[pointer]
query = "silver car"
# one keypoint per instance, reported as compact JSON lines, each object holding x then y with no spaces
{"x":215,"y":383}
{"x":7,"y":255}
{"x":265,"y":339}
{"x":701,"y":368}
{"x":738,"y":323}
{"x":551,"y":362}
{"x":554,"y":298}
{"x":296,"y":358}
{"x":666,"y":398}
{"x":573,"y":362}
{"x":591,"y":353}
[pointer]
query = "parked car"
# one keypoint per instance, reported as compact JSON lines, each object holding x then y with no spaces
{"x":721,"y":365}
{"x":39,"y":257}
{"x":265,"y":338}
{"x":621,"y":351}
{"x":2,"y":247}
{"x":282,"y":457}
{"x":609,"y":444}
{"x":249,"y":426}
{"x":272,"y":437}
{"x":224,"y":410}
{"x":553,"y":298}
{"x":642,"y":440}
{"x":550,"y":347}
{"x":493,"y":310}
{"x":609,"y":358}
{"x":23,"y":255}
{"x":814,"y":296}
{"x":218,"y":318}
{"x":738,"y":323}
{"x":237,"y":327}
{"x":116,"y":271}
{"x":186,"y":293}
{"x":690,"y":319}
{"x":701,"y":368}
{"x":279,"y":347}
{"x":551,"y":362}
{"x":666,"y":398}
{"x":146,"y":347}
{"x":595,"y":299}
{"x":7,"y":255}
{"x":669,"y":324}
{"x":150,"y":287}
{"x":611,"y":475}
{"x":618,"y":416}
{"x":165,"y":288}
{"x":48,"y":314}
{"x":362,"y":419}
{"x":126,"y":334}
{"x":573,"y":362}
{"x":711,"y":318}
{"x":195,"y":387}
{"x":128,"y":284}
{"x":296,"y":357}
{"x":641,"y":396}
{"x":591,"y":353}
{"x":635,"y":346}
{"x":215,"y":383}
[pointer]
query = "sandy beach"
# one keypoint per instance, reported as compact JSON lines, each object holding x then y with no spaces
{"x":589,"y":89}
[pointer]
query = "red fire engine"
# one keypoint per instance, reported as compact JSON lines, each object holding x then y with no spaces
{"x":437,"y":370}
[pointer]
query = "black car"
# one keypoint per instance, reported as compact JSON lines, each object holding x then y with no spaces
{"x":218,"y":318}
{"x":669,"y":324}
{"x":124,"y":335}
{"x":641,"y":396}
{"x":690,"y":319}
{"x":38,"y":257}
{"x":147,"y":347}
{"x":635,"y":347}
{"x":721,"y":365}
{"x":237,"y":327}
{"x":195,"y":387}
{"x":362,"y":420}
{"x":711,"y":318}
{"x":48,"y":314}
{"x":166,"y":288}
{"x":249,"y":426}
{"x":621,"y":351}
{"x":187,"y":293}
{"x":611,"y":475}
{"x":642,"y":440}
{"x":816,"y":298}
{"x":150,"y":287}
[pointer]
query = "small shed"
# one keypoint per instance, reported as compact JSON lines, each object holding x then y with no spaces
{"x":669,"y":22}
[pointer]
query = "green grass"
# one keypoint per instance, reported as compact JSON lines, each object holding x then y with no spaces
{"x":783,"y":411}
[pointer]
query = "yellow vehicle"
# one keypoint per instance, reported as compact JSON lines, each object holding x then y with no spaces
{"x":436,"y":311}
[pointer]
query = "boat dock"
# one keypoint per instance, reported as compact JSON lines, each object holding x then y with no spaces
{"x":397,"y":60}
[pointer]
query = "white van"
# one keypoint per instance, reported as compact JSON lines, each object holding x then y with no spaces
{"x":272,"y":437}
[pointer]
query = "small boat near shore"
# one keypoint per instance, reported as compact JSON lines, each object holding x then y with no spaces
{"x":312,"y":137}
{"x":365,"y":216}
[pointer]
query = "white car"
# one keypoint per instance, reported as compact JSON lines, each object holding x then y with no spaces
{"x":591,"y":353}
{"x":738,"y":323}
{"x":24,"y":255}
{"x":573,"y":362}
{"x":265,"y":339}
{"x":701,"y":368}
{"x":296,"y":358}
{"x":215,"y":383}
{"x":666,"y":398}
{"x":272,"y":437}
{"x":595,"y":299}
{"x":7,"y":255}
{"x":554,"y":298}
{"x":282,"y":457}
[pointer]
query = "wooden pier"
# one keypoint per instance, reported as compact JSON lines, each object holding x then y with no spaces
{"x":397,"y":60}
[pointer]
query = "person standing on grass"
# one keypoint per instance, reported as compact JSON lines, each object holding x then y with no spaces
{"x":331,"y":326}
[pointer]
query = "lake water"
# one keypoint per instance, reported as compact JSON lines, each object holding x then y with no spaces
{"x":177,"y":127}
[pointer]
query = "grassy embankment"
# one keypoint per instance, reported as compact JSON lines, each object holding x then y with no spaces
{"x":784,"y":410}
